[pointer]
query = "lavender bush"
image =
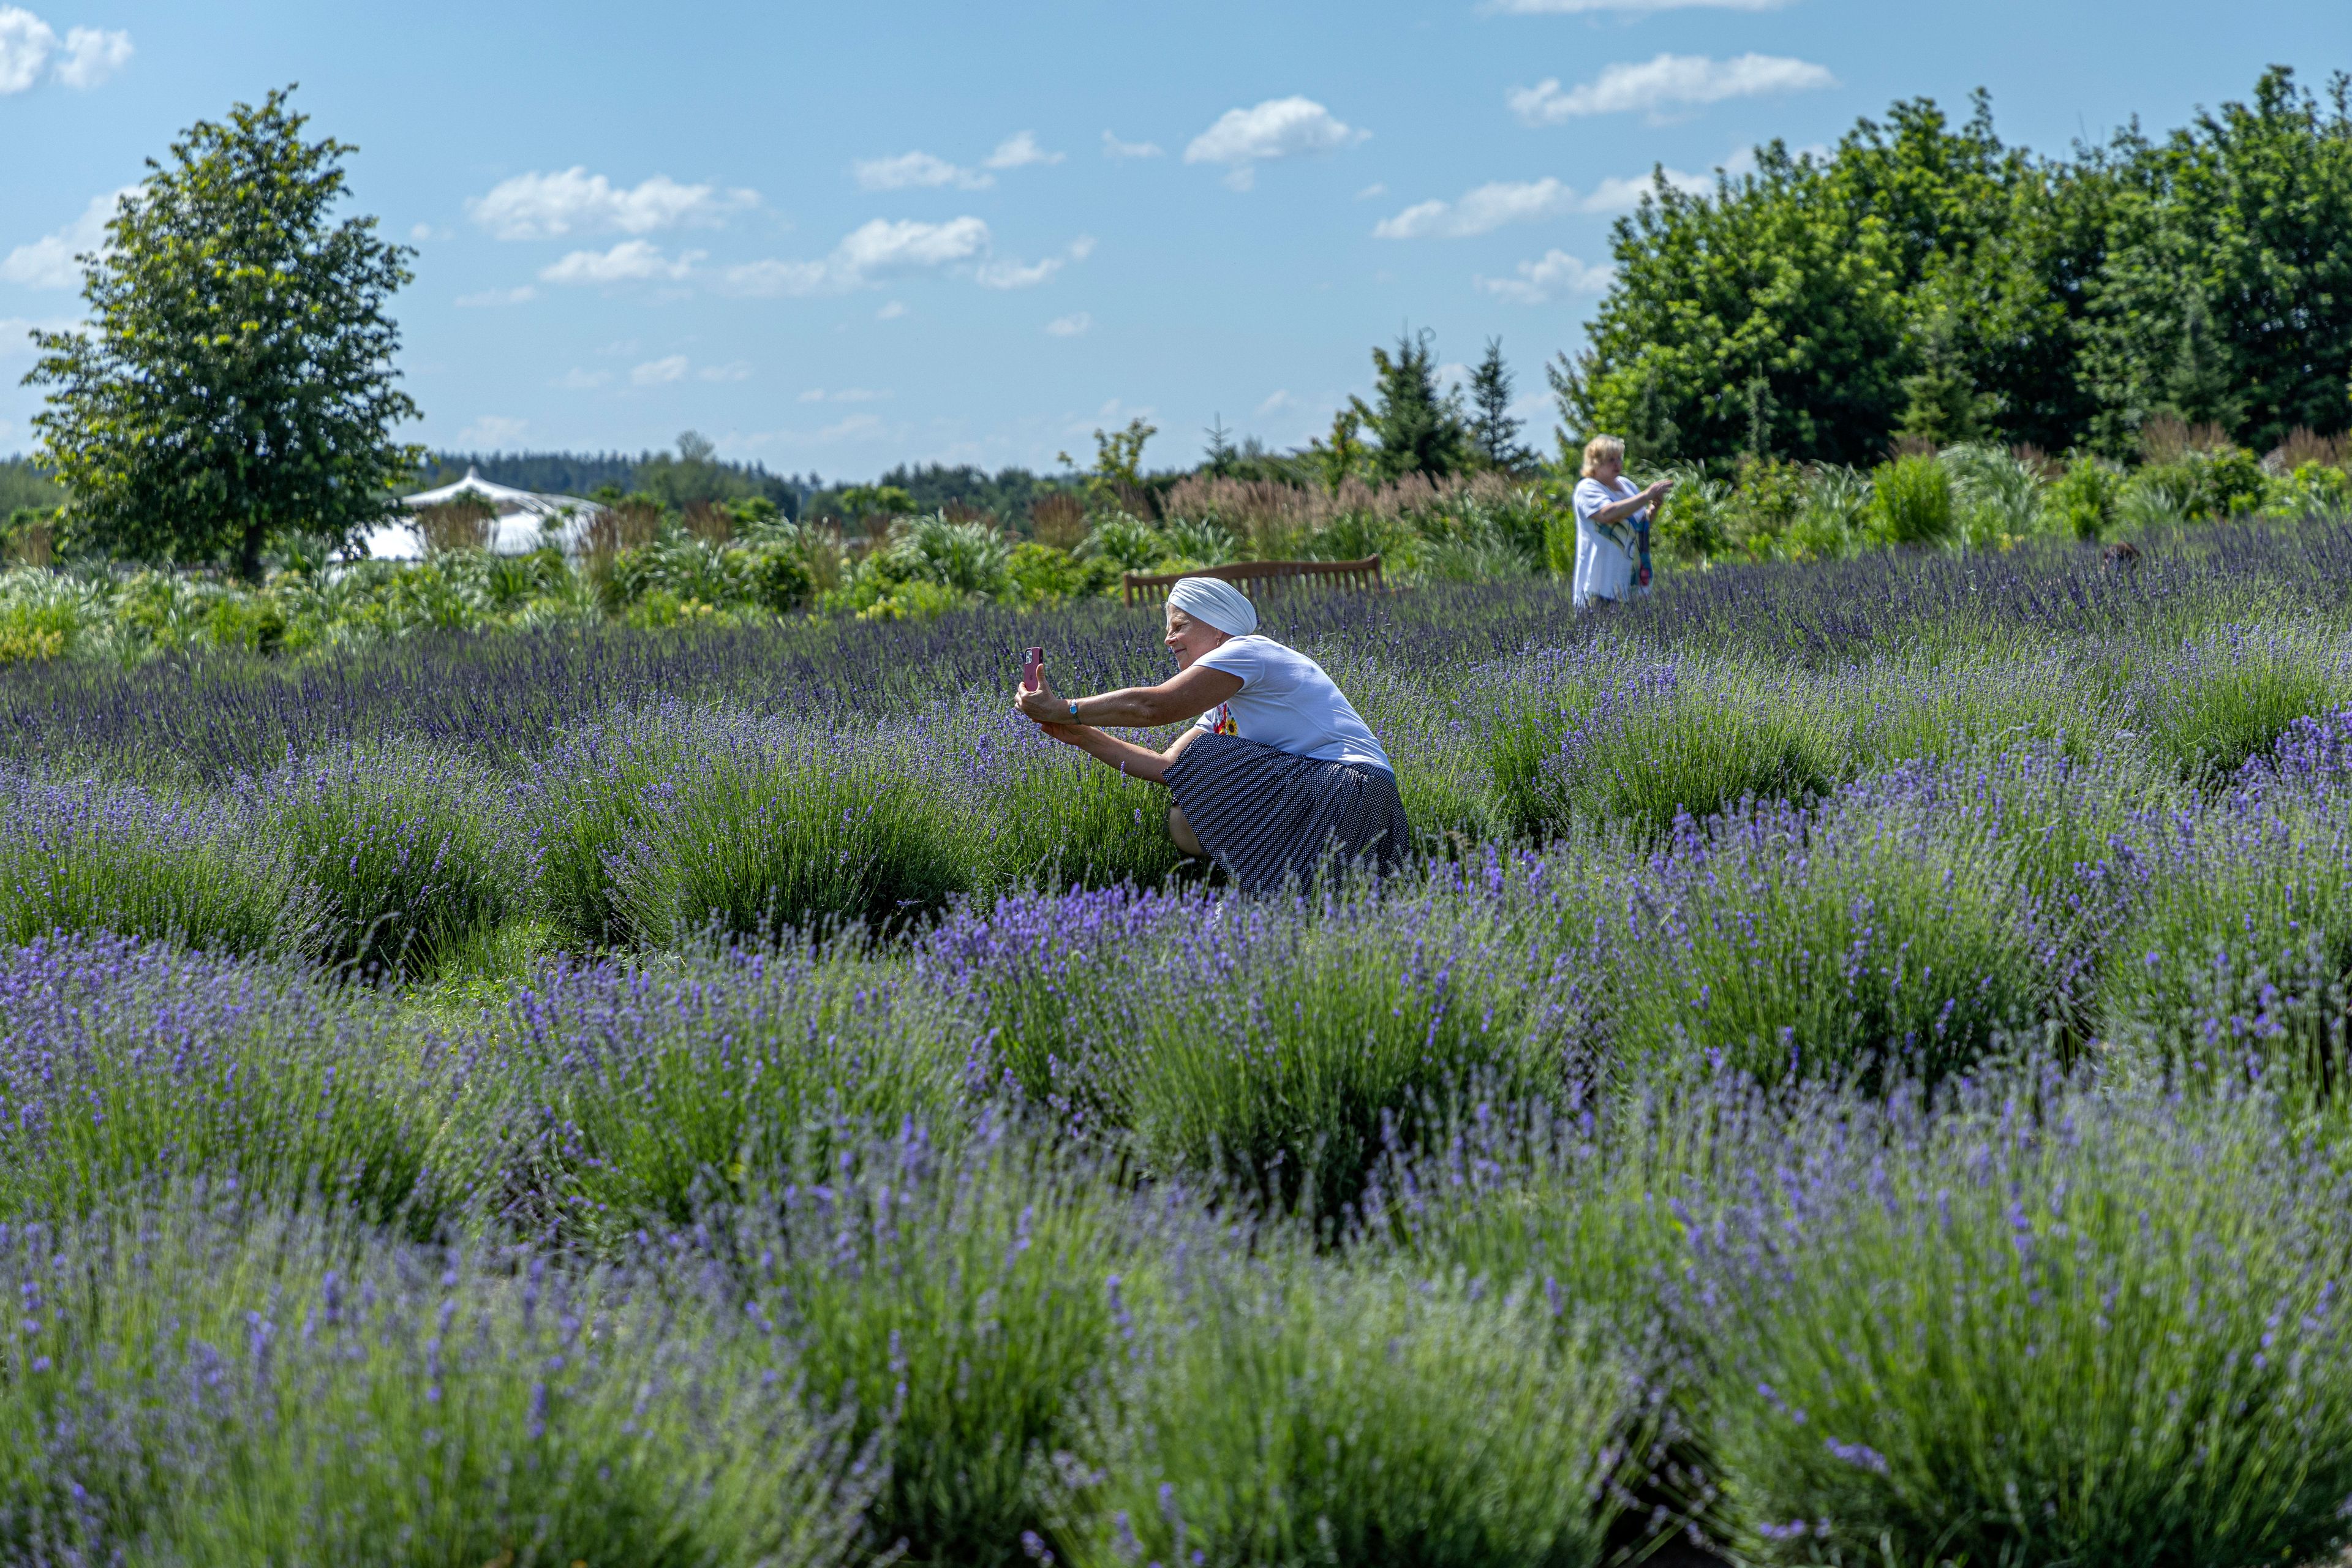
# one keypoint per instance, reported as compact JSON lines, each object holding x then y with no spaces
{"x":404,"y":846}
{"x":85,"y":856}
{"x":2105,"y":1329}
{"x":123,"y":1063}
{"x":633,"y":1094}
{"x":206,"y":1380}
{"x":1294,"y":1414}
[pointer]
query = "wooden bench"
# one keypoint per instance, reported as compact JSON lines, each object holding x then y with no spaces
{"x":1268,"y":577}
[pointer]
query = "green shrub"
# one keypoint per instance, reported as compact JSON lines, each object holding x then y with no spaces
{"x":779,"y":576}
{"x":1303,"y":1416}
{"x":2314,"y":490}
{"x":2083,"y":500}
{"x":1693,"y":526}
{"x":1126,"y":543}
{"x":1912,"y":500}
{"x":967,"y":557}
{"x":1042,"y":574}
{"x":1762,"y":506}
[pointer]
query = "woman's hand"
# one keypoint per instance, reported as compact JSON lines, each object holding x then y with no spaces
{"x":1068,"y":734}
{"x":1040,"y":704}
{"x":1658,"y":491}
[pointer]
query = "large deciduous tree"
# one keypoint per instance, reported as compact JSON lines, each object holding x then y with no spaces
{"x":2227,"y":297}
{"x":235,"y":380}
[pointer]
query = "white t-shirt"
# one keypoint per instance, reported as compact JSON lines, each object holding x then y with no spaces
{"x":1288,"y":702}
{"x":1604,"y":565}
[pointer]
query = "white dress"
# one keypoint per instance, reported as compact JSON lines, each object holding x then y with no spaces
{"x":1604,"y":565}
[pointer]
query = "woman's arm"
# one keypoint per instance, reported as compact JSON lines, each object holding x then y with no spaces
{"x":1136,"y":761}
{"x":1188,"y":695}
{"x":1618,"y":511}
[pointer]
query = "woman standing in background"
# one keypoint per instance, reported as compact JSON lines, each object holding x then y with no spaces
{"x":1609,"y":512}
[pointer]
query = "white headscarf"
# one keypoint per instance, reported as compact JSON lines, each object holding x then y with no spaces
{"x":1214,"y":602}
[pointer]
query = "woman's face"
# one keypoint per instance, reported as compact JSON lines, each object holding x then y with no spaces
{"x":1607,"y":467}
{"x":1187,"y":639}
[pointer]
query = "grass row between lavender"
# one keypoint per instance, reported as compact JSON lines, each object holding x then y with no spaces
{"x":468,"y":1130}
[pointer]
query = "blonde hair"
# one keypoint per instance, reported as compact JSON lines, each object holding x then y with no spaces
{"x":1601,"y":447}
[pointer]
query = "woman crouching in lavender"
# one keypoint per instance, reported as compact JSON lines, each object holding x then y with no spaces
{"x":1278,"y":770}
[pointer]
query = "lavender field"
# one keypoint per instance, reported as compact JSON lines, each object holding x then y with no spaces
{"x":1854,"y":1074}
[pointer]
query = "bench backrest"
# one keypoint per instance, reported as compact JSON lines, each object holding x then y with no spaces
{"x":1151,"y":587}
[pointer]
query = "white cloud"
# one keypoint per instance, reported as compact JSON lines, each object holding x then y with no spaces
{"x":1583,"y":7}
{"x":917,"y":171}
{"x":1666,"y":80}
{"x":1368,"y":192}
{"x":844,"y":394}
{"x":578,"y":380}
{"x":25,"y":43}
{"x":891,"y":311}
{"x":492,"y":430}
{"x":631,"y":261}
{"x":1619,"y":194}
{"x":1278,"y":128}
{"x":1480,"y":211}
{"x":879,"y":247}
{"x":1276,"y":401}
{"x":1019,"y":150}
{"x":553,"y":206}
{"x":48,"y":262}
{"x":1068,"y":326}
{"x":92,"y":55}
{"x":1115,"y":148}
{"x":659,"y":372}
{"x":1010,"y":274}
{"x":734,"y":370}
{"x":883,"y":246}
{"x":522,"y":295}
{"x":1555,"y":272}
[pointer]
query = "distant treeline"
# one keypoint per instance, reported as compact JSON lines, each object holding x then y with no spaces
{"x":1927,"y":282}
{"x":23,"y":484}
{"x":693,"y":473}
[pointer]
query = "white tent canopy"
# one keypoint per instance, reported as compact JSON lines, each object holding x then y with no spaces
{"x":518,"y":529}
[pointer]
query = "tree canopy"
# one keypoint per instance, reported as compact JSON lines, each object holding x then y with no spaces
{"x":1419,"y":429}
{"x":236,"y":380}
{"x":1926,"y":280}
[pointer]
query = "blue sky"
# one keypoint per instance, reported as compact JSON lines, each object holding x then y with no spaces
{"x":835,"y":238}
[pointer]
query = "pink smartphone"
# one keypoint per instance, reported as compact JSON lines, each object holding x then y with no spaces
{"x":1030,"y":667}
